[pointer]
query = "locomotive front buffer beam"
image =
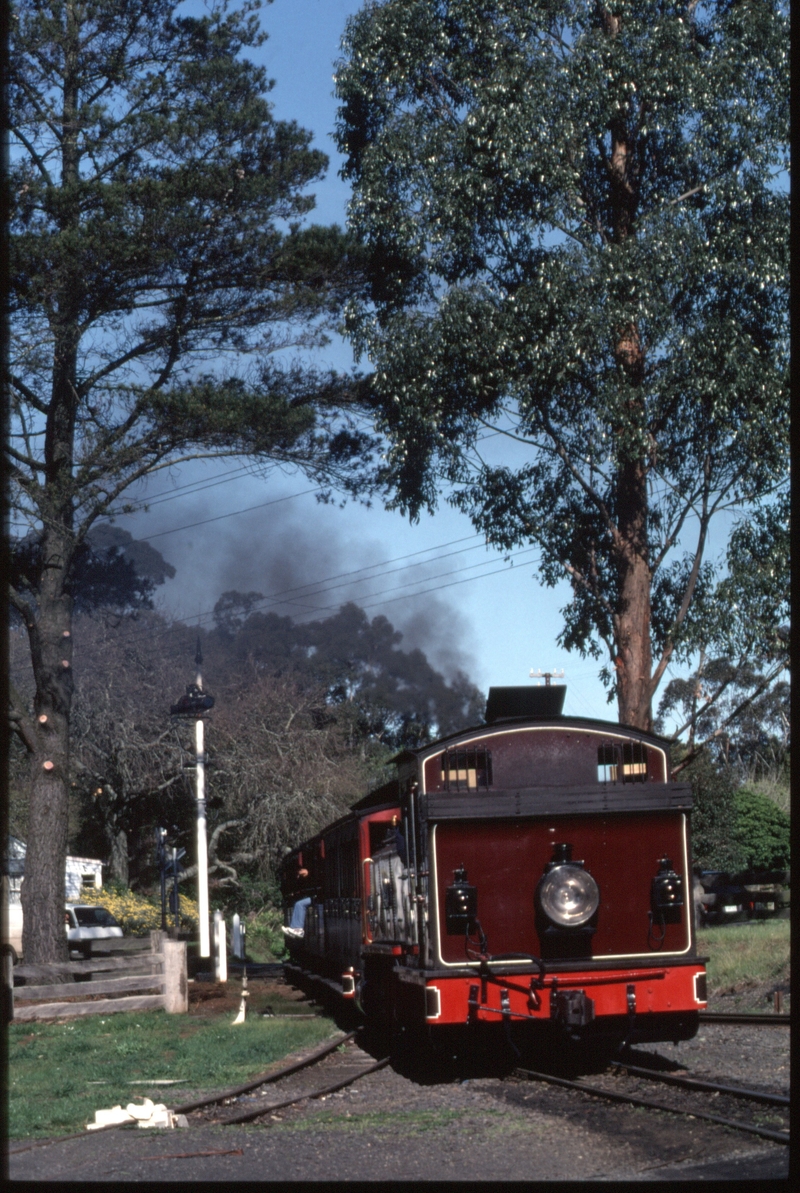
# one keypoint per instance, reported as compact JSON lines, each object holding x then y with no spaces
{"x":640,"y":1004}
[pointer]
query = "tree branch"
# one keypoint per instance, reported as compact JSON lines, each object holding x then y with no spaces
{"x":761,"y":687}
{"x":21,"y":723}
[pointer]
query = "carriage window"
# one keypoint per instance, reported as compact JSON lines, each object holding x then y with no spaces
{"x":607,"y":764}
{"x":467,"y":770}
{"x":634,"y":762}
{"x":630,"y":759}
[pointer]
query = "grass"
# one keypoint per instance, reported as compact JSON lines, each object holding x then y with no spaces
{"x":745,"y":955}
{"x":407,"y":1124}
{"x":60,"y":1073}
{"x":364,"y":1122}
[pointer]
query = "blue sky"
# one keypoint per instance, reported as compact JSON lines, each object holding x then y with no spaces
{"x":459,"y":601}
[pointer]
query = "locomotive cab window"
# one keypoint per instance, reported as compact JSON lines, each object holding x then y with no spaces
{"x":467,"y":770}
{"x":626,"y":763}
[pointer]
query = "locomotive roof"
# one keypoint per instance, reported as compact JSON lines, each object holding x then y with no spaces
{"x":389,"y":791}
{"x":406,"y":755}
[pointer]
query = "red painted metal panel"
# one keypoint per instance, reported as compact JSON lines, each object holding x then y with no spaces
{"x":667,"y":990}
{"x":505,"y":860}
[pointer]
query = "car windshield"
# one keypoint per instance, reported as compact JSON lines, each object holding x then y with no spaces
{"x":94,"y":917}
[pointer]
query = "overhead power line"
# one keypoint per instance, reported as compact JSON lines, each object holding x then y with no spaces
{"x":411,"y":595}
{"x":347,"y":578}
{"x":408,"y":584}
{"x":275,"y":599}
{"x":191,"y":488}
{"x":247,"y":509}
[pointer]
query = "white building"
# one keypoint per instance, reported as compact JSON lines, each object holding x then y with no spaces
{"x":82,"y":872}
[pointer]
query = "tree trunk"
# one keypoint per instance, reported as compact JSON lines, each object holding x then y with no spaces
{"x":118,"y":842}
{"x":634,"y":662}
{"x":50,"y":629}
{"x":43,"y":890}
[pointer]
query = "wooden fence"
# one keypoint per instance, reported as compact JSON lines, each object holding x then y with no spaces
{"x":138,"y":975}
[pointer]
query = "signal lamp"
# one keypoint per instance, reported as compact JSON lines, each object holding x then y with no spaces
{"x":666,"y":893}
{"x":460,"y":905}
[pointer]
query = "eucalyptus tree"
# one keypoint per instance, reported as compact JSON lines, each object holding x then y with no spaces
{"x":156,"y":236}
{"x":575,"y":217}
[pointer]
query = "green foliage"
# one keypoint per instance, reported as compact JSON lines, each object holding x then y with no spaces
{"x":762,"y":831}
{"x":575,"y":220}
{"x":139,"y":914}
{"x":742,"y":956}
{"x":735,"y":828}
{"x":164,"y":232}
{"x":715,"y":845}
{"x":264,"y":940}
{"x":737,"y":708}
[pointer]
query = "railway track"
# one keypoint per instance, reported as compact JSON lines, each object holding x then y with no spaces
{"x":745,"y":1019}
{"x":685,"y":1095}
{"x":688,"y":1096}
{"x":345,"y":1069}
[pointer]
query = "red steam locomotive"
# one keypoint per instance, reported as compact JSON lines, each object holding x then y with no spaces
{"x":534,"y":871}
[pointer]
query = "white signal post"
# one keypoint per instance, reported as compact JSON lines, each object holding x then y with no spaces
{"x":202,"y":841}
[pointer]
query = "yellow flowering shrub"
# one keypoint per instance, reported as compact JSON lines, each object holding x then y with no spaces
{"x":138,"y":914}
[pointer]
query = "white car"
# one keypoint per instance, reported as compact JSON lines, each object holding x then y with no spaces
{"x":85,"y":922}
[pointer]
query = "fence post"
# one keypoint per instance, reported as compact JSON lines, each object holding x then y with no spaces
{"x":176,"y":986}
{"x":220,"y":948}
{"x":8,"y":985}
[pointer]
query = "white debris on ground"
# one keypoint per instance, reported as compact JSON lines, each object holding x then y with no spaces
{"x":146,"y":1115}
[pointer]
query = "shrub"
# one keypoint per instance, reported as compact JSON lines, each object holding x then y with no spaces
{"x":264,"y":936}
{"x":138,"y":914}
{"x":714,"y":841}
{"x":762,"y":831}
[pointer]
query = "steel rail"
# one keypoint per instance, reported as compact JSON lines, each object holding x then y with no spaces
{"x":736,"y":1091}
{"x":265,"y":1078}
{"x":614,"y":1096}
{"x":258,"y":1112}
{"x":745,"y":1018}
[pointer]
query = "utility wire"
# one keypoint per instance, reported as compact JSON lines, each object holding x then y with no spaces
{"x":219,"y":517}
{"x":201,"y":618}
{"x":411,"y":583}
{"x":437,"y":588}
{"x":221,"y":478}
{"x":347,"y":577}
{"x":189,"y":489}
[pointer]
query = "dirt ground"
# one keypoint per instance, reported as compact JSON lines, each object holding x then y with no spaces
{"x":265,"y":995}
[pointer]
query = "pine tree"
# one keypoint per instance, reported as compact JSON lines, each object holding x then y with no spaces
{"x":156,"y":236}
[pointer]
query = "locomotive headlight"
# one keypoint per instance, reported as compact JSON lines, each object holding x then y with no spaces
{"x":568,"y":895}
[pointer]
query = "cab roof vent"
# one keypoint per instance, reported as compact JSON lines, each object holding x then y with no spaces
{"x":536,"y":703}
